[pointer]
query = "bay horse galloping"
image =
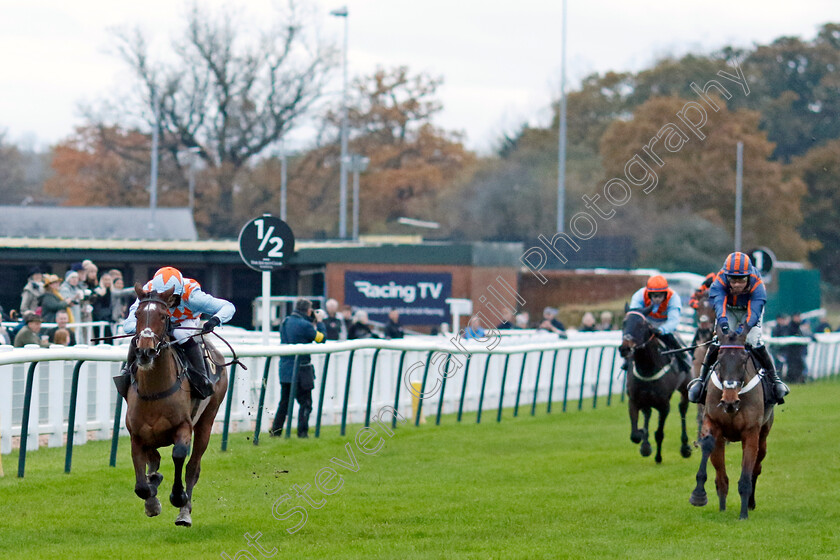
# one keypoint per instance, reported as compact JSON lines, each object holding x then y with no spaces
{"x":161,"y":411}
{"x":651,"y":380}
{"x":735,"y":410}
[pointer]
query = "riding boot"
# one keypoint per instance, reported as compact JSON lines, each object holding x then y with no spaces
{"x":697,"y":387}
{"x":123,"y":380}
{"x":672,"y":343}
{"x":197,"y":369}
{"x":766,"y":362}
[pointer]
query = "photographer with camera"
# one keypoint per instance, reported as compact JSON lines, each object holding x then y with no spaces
{"x":303,"y":326}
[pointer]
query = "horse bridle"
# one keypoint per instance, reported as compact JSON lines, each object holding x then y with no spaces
{"x":160,"y":342}
{"x":652,"y":334}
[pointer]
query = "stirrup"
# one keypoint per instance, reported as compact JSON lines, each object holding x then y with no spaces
{"x":695,"y":389}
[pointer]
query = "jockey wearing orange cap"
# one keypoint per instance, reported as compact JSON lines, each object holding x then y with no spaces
{"x":662,"y":307}
{"x":738,"y":294}
{"x":186,"y":313}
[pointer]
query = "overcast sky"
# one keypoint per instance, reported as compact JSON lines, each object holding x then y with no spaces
{"x":500,"y":60}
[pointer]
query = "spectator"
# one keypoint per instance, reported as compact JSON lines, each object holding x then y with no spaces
{"x":360,"y":327}
{"x":29,"y":334}
{"x":587,"y":323}
{"x":474,"y":329}
{"x":51,"y":299}
{"x":74,"y":294}
{"x":88,"y":275}
{"x":303,"y":326}
{"x":120,"y":298}
{"x":507,"y":322}
{"x":551,"y":323}
{"x":797,"y":353}
{"x":393,"y":328}
{"x":61,"y":320}
{"x":781,"y":329}
{"x":61,"y":336}
{"x":5,"y":338}
{"x":522,"y":320}
{"x":32,"y":291}
{"x":334,"y":322}
{"x":606,"y":321}
{"x":102,"y":301}
{"x":823,"y":327}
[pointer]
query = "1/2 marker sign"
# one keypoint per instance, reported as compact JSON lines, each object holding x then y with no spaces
{"x":266,"y":243}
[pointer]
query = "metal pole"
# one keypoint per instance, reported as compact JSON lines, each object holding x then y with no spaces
{"x":342,"y":217}
{"x":561,"y":171}
{"x":739,"y":193}
{"x":265,"y":315}
{"x":154,"y":170}
{"x":193,"y":157}
{"x":283,"y":184}
{"x":355,"y":203}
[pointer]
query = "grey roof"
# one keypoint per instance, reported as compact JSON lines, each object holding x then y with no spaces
{"x":82,"y":222}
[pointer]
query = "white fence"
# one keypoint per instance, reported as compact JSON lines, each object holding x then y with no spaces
{"x":583,"y":366}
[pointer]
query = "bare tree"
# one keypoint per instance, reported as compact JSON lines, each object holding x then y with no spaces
{"x":227,"y":92}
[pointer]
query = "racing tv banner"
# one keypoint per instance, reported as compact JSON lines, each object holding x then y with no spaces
{"x":420,"y":297}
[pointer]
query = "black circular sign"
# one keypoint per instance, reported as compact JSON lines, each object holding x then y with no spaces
{"x":266,"y":243}
{"x":763,"y":260}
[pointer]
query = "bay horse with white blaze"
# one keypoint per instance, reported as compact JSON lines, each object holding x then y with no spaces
{"x":735,"y":410}
{"x":160,"y":410}
{"x":651,"y":380}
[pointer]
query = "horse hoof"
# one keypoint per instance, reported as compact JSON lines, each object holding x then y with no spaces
{"x":658,"y":459}
{"x":184,"y":519}
{"x":685,"y":451}
{"x":152,"y":507}
{"x":743,"y":516}
{"x":178,"y":500}
{"x":636,"y":437}
{"x":698,"y":499}
{"x":645,"y":450}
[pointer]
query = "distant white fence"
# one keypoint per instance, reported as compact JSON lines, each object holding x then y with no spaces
{"x":584,"y":366}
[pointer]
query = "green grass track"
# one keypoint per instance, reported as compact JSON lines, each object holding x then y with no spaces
{"x":560,"y":485}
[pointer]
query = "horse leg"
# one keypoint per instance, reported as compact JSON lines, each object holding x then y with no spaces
{"x":138,"y":456}
{"x":762,"y":452}
{"x":201,"y":435}
{"x":153,"y":478}
{"x":698,"y":496}
{"x":636,"y":434}
{"x":685,"y":450}
{"x":718,"y":459}
{"x":749,"y":445}
{"x":645,"y":449}
{"x":180,"y":450}
{"x":659,"y":435}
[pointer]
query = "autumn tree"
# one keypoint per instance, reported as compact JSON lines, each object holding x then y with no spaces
{"x":700,"y":177}
{"x":411,"y":161}
{"x":820,"y":170}
{"x":226,"y":90}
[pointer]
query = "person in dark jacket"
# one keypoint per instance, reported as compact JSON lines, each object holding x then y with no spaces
{"x":360,"y":327}
{"x":393,"y":328}
{"x":303,"y":326}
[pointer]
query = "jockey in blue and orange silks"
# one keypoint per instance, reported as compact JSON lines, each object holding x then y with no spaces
{"x":191,"y":303}
{"x":738,"y":296}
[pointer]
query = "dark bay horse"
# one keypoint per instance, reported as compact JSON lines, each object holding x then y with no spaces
{"x":735,"y":410}
{"x":161,"y":411}
{"x":651,"y":380}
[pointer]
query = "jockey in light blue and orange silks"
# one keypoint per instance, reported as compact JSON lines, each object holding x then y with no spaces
{"x":191,"y":302}
{"x":663,"y":307}
{"x":738,"y":296}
